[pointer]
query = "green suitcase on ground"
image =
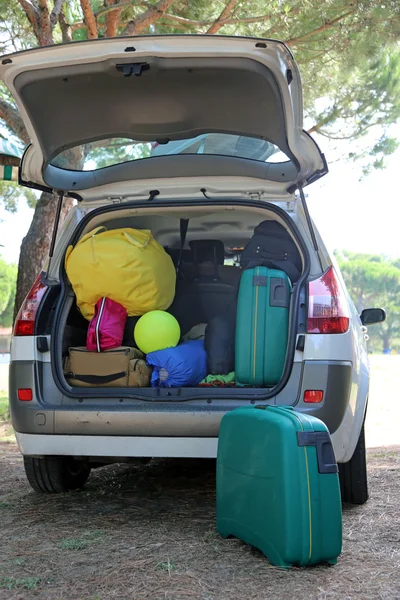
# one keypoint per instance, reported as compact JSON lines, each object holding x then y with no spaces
{"x":262,"y":324}
{"x":278,"y":485}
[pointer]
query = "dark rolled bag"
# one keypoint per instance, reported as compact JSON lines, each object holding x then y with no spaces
{"x":273,"y":247}
{"x":219,"y":343}
{"x":119,"y":367}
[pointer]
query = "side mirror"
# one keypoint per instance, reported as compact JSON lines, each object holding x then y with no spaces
{"x":371,"y":316}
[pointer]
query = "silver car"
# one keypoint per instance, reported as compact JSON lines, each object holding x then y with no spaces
{"x":144,"y":132}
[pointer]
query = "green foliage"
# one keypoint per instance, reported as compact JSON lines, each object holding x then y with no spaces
{"x":11,"y":193}
{"x":74,"y":544}
{"x":4,"y":407}
{"x":15,"y":30}
{"x":20,"y":583}
{"x":373,"y":281}
{"x":167,"y":566}
{"x":8,"y":282}
{"x":88,"y":537}
{"x":103,"y":153}
{"x":362,"y":103}
{"x":116,"y":151}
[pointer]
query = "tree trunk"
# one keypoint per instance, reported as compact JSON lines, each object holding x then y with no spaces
{"x":35,"y":245}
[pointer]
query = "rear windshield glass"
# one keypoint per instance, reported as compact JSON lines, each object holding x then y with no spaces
{"x":109,"y":152}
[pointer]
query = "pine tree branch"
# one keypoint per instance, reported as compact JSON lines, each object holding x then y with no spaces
{"x":76,"y":26}
{"x":150,"y":16}
{"x":184,"y":21}
{"x":228,"y":21}
{"x":218,"y":23}
{"x":55,"y":13}
{"x":10,"y":115}
{"x":327,"y":25}
{"x":112,"y":18}
{"x":358,"y":132}
{"x":45,"y":35}
{"x":110,"y":7}
{"x":33,"y":16}
{"x":89,"y":19}
{"x":66,"y":28}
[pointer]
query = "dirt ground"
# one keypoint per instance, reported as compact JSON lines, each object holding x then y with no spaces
{"x":148,"y":531}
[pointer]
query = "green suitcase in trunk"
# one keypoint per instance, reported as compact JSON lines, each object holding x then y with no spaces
{"x":262,"y":324}
{"x":278,"y":486}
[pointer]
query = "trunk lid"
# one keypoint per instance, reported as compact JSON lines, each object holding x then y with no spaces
{"x":105,"y":115}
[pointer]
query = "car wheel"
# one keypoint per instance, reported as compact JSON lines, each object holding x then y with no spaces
{"x":353,"y":475}
{"x":55,"y":474}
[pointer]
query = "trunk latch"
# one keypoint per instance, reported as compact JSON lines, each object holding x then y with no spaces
{"x":129,"y":69}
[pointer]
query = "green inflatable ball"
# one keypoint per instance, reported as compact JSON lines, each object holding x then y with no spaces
{"x":156,"y":330}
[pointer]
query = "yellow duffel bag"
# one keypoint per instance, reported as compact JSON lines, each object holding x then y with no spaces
{"x":126,"y":265}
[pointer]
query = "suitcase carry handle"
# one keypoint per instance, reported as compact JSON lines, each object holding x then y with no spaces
{"x":325,"y":455}
{"x":97,"y":379}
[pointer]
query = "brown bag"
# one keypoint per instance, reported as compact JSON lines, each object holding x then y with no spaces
{"x":119,"y":367}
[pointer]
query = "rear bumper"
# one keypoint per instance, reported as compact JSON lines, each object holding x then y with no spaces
{"x":51,"y":413}
{"x":116,"y":446}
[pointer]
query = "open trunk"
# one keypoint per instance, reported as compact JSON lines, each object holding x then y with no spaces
{"x":207,"y":284}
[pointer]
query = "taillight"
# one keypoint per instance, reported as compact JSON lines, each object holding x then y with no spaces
{"x":328,"y":309}
{"x":25,"y":321}
{"x":313,"y":396}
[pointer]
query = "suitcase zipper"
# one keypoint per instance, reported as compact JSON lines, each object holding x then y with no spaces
{"x":98,"y":324}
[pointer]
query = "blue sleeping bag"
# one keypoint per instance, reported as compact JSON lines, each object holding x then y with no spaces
{"x":182,"y":366}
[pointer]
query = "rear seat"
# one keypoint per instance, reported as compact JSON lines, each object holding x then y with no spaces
{"x":209,"y":290}
{"x":209,"y":258}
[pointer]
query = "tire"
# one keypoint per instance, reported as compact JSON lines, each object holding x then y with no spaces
{"x":55,"y":474}
{"x":353,"y":475}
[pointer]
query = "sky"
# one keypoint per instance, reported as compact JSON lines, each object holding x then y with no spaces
{"x":359,"y":216}
{"x":354,"y":215}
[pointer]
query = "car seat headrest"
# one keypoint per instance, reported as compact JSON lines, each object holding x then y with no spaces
{"x":212,"y":251}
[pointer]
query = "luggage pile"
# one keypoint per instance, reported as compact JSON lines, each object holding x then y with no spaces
{"x":119,"y":274}
{"x":129,"y":289}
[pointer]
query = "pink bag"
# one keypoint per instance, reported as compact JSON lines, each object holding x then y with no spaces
{"x":106,"y":329}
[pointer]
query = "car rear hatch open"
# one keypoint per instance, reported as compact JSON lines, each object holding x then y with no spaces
{"x":164,"y":94}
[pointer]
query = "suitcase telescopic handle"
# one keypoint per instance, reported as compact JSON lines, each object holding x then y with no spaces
{"x":325,"y":455}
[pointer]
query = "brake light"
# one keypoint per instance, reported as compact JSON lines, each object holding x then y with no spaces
{"x":328,"y":309}
{"x":25,"y":321}
{"x":313,"y":396}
